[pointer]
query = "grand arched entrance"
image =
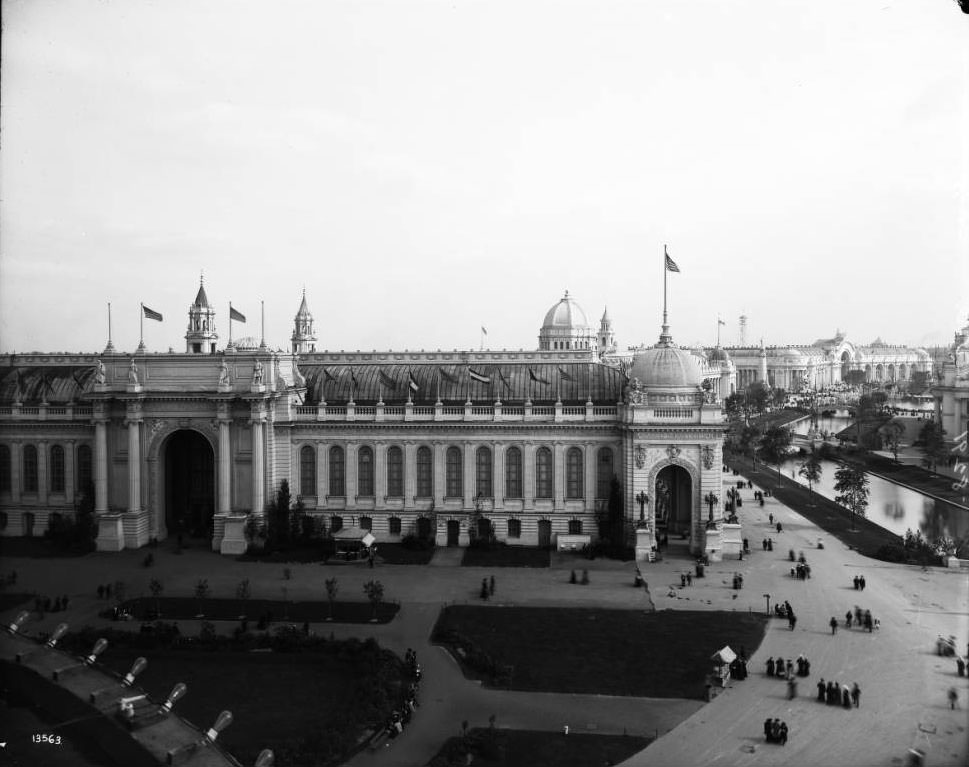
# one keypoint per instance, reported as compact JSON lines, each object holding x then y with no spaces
{"x":189,"y":485}
{"x":845,"y":365}
{"x":674,"y":499}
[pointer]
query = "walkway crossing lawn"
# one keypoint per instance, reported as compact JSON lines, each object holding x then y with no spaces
{"x":189,"y":608}
{"x":529,"y":748}
{"x":506,"y":556}
{"x":592,"y":651}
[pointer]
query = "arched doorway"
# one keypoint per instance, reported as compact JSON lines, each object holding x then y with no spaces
{"x":674,"y":499}
{"x":845,"y":365}
{"x":189,"y":485}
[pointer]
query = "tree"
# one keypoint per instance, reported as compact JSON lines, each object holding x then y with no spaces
{"x":332,"y":586}
{"x":278,"y":516}
{"x":774,"y":446}
{"x":243,"y":590}
{"x":893,"y":437}
{"x":811,"y":470}
{"x":758,"y":396}
{"x":932,"y":438}
{"x":201,"y":591}
{"x":610,"y":517}
{"x":851,"y":483}
{"x":375,"y":593}
{"x":749,"y":439}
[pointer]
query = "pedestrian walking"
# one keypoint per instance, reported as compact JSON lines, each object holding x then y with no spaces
{"x":960,"y":665}
{"x":783,"y":734}
{"x":791,"y":688}
{"x":770,"y":517}
{"x":779,"y":527}
{"x":834,"y":625}
{"x":770,"y":667}
{"x":791,"y":622}
{"x":855,"y":581}
{"x":861,"y":582}
{"x":953,"y":698}
{"x":484,"y":589}
{"x":822,"y":688}
{"x":767,"y":729}
{"x":856,"y":695}
{"x":848,"y":619}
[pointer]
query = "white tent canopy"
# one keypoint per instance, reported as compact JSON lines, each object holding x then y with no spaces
{"x":354,"y":535}
{"x":724,"y":656}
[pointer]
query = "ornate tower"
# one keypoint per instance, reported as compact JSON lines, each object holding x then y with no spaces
{"x":303,"y":339}
{"x":607,"y":338}
{"x":201,"y":337}
{"x":763,"y":364}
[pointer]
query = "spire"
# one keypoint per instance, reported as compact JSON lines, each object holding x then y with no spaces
{"x":202,"y":300}
{"x":201,"y":338}
{"x":303,"y":339}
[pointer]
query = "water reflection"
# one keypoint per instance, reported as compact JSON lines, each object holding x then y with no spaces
{"x":894,"y":507}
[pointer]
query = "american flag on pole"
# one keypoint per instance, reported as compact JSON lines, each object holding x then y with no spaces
{"x":151,"y":314}
{"x":671,"y":264}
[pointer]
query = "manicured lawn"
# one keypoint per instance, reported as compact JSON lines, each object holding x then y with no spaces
{"x":398,"y":554}
{"x":297,"y":554}
{"x":506,"y":556}
{"x":9,"y":600}
{"x":610,"y":652}
{"x":187,"y":608}
{"x":530,"y":748}
{"x":40,"y":548}
{"x":277,"y":700}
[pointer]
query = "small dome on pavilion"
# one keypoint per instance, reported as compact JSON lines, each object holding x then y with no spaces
{"x":666,"y":367}
{"x":565,"y":314}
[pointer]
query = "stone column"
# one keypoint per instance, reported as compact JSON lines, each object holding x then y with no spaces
{"x":100,"y":465}
{"x":43,"y":472}
{"x":498,"y":474}
{"x":16,"y":461}
{"x":439,"y":484}
{"x":410,"y":474}
{"x":134,"y":463}
{"x":470,"y":475}
{"x":258,"y":459}
{"x":558,"y":476}
{"x":225,"y":466}
{"x":528,"y":475}
{"x":589,"y":478}
{"x":322,"y":478}
{"x":350,"y":473}
{"x":379,"y":473}
{"x":70,"y":456}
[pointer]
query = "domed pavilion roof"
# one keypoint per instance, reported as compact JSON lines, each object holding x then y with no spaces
{"x":666,"y":367}
{"x":565,"y":314}
{"x":718,"y":354}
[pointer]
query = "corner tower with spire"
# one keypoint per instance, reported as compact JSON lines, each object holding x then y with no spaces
{"x":201,"y":337}
{"x":304,"y":341}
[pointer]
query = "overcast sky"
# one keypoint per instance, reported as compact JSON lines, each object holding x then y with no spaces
{"x":426,"y":168}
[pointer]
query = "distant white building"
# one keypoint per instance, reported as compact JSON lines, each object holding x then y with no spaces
{"x":952,"y":393}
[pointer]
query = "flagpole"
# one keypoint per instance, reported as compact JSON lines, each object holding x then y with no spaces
{"x":665,"y":270}
{"x":141,"y":342}
{"x":110,"y":346}
{"x":230,"y":326}
{"x":718,"y":330}
{"x":262,"y":311}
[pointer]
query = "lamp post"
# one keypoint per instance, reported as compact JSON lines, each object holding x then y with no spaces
{"x":712,"y":500}
{"x":767,"y":597}
{"x":643,"y":500}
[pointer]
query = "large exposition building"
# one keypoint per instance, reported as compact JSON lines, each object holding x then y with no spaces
{"x":442,"y":444}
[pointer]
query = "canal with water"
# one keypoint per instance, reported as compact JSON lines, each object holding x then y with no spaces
{"x":890,"y":505}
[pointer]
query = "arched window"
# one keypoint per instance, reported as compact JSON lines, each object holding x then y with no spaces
{"x":57,"y":469}
{"x":453,"y":476}
{"x":30,"y":469}
{"x":394,"y":525}
{"x":543,"y":473}
{"x":366,"y":523}
{"x":336,"y":524}
{"x":84,"y":468}
{"x":395,"y":472}
{"x":4,"y":468}
{"x":307,"y":470}
{"x":337,"y":472}
{"x":483,"y":473}
{"x":574,"y":468}
{"x":425,"y":473}
{"x":365,"y":471}
{"x":514,"y":528}
{"x":604,"y":472}
{"x":513,"y":473}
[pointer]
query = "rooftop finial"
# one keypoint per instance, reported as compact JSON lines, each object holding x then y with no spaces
{"x":201,"y":276}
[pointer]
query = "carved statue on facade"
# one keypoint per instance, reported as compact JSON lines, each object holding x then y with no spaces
{"x":707,"y":454}
{"x":257,"y":373}
{"x":133,"y":373}
{"x":223,"y":374}
{"x":640,"y":456}
{"x":99,"y":375}
{"x":634,"y":393}
{"x":673,"y":451}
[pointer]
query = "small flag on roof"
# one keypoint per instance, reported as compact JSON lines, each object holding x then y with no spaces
{"x":151,"y":314}
{"x":535,"y":377}
{"x":564,"y":375}
{"x":411,"y":382}
{"x":476,"y":376}
{"x":235,"y":314}
{"x":387,"y":381}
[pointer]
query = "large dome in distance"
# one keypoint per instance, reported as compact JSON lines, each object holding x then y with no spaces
{"x":565,"y":314}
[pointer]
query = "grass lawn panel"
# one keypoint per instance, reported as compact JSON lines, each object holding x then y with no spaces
{"x":398,"y":554}
{"x":506,"y":556}
{"x":189,"y":608}
{"x":592,"y":651}
{"x":531,"y":748}
{"x":9,"y":600}
{"x":296,"y":554}
{"x":42,"y":548}
{"x":275,"y":698}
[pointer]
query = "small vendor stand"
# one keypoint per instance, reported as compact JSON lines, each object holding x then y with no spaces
{"x":722,"y":659}
{"x":353,"y":543}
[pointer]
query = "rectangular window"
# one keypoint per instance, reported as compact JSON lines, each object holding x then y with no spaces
{"x":57,"y":469}
{"x":425,"y":473}
{"x":513,"y":473}
{"x":514,"y":528}
{"x":395,"y":473}
{"x":337,"y":472}
{"x":394,"y":525}
{"x":543,"y":473}
{"x":575,"y":527}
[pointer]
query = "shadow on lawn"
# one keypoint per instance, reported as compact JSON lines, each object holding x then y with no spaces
{"x":188,"y":608}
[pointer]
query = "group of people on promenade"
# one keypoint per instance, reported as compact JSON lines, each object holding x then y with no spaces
{"x":775,"y":731}
{"x":860,"y":618}
{"x":786,"y":611}
{"x":834,"y":694}
{"x":403,"y":715}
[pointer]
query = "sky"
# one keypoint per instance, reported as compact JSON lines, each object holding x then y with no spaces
{"x":426,"y":169}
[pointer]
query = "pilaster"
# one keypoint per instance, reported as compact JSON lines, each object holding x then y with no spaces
{"x":43,"y":472}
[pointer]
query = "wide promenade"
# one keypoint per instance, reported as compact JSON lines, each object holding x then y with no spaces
{"x":903,"y":681}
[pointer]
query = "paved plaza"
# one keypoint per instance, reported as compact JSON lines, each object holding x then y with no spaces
{"x":903,"y":681}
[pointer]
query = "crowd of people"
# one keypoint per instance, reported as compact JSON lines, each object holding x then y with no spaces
{"x":775,"y":731}
{"x":834,"y":694}
{"x":402,"y":716}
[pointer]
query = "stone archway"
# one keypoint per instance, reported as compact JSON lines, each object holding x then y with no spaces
{"x":188,"y":484}
{"x":673,"y":491}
